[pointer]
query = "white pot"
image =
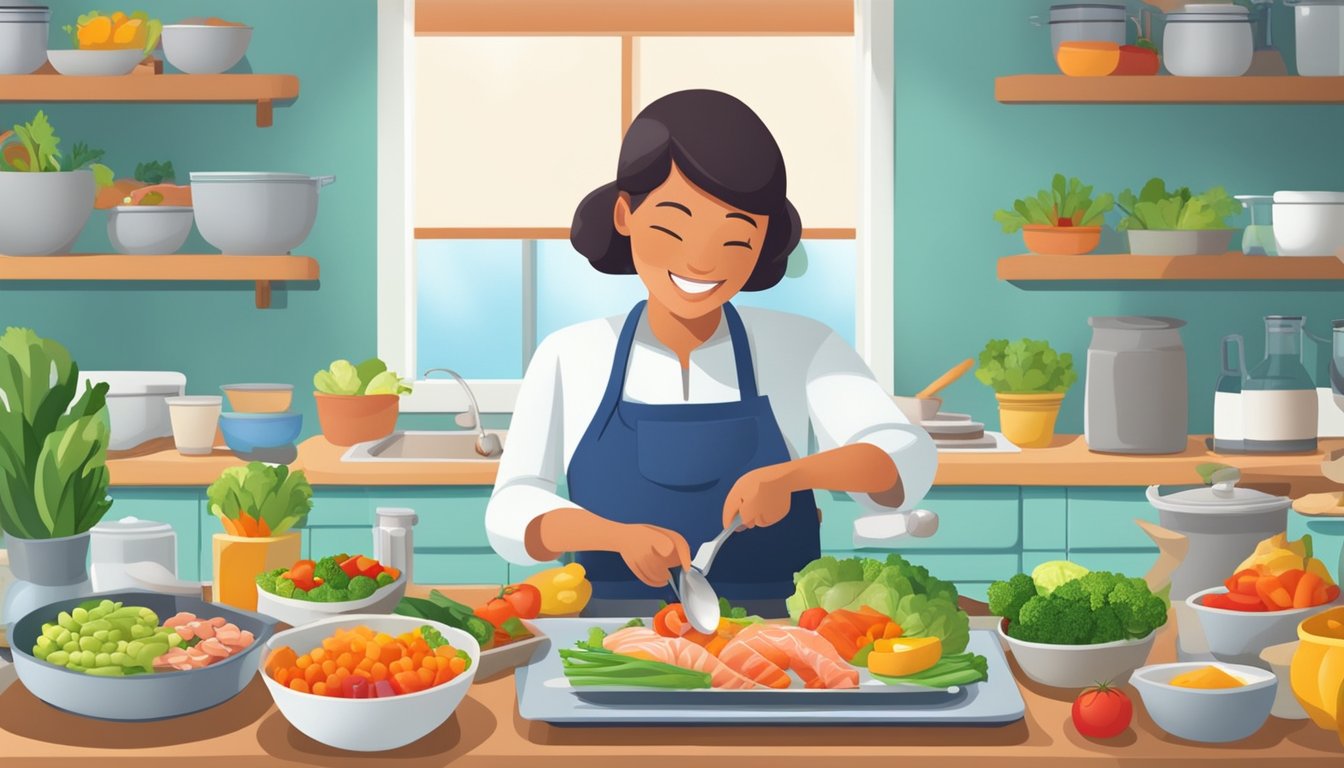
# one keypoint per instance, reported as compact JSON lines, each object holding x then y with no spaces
{"x":1308,"y":223}
{"x":1208,"y":44}
{"x":23,"y":39}
{"x":255,"y":213}
{"x":1320,"y":37}
{"x":148,"y":229}
{"x":43,"y":213}
{"x":137,"y":404}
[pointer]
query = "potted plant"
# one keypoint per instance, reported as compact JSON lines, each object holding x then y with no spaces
{"x":1064,"y":220}
{"x":53,"y":470}
{"x":1177,"y":223}
{"x":1029,"y":380}
{"x":45,"y":197}
{"x":257,"y":504}
{"x":358,"y":403}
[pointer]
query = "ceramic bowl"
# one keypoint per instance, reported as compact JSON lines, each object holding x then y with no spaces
{"x":1206,"y":715}
{"x":259,"y":398}
{"x":247,"y":432}
{"x":297,"y":613}
{"x":203,"y":49}
{"x":370,"y":725}
{"x":1078,"y":666}
{"x":1238,"y":637}
{"x":104,"y":63}
{"x":148,"y":229}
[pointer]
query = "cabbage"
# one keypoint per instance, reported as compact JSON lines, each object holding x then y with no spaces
{"x":386,"y":383}
{"x":1048,"y":576}
{"x":340,"y":379}
{"x":923,"y":605}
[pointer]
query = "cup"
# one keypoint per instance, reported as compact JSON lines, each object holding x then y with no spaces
{"x":195,"y":419}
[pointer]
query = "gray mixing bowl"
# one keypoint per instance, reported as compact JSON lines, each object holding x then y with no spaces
{"x":255,"y":213}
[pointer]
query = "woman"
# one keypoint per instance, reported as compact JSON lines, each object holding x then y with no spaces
{"x":670,"y":422}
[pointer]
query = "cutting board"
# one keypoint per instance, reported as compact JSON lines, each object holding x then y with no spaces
{"x":542,"y":695}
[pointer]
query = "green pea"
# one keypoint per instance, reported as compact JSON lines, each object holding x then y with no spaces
{"x":59,"y":658}
{"x":102,"y":660}
{"x":89,"y":644}
{"x":80,"y":615}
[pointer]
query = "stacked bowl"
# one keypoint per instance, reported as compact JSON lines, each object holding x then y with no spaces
{"x":260,"y":425}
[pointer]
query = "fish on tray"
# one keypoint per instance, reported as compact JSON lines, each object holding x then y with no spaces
{"x":762,"y":652}
{"x":644,"y":643}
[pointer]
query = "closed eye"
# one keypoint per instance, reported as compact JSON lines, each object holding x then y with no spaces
{"x":738,"y":243}
{"x":665,"y":230}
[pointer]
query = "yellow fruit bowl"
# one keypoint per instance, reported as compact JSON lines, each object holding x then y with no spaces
{"x":1317,"y":672}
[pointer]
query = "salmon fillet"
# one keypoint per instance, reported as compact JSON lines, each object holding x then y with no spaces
{"x":644,"y":643}
{"x":763,"y":651}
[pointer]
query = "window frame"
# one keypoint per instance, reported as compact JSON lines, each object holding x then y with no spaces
{"x":396,"y":241}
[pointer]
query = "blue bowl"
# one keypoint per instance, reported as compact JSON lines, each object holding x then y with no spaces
{"x":248,"y":432}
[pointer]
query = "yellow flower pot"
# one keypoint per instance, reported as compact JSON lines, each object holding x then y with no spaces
{"x":1028,"y":421}
{"x":1317,"y":673}
{"x":238,"y":560}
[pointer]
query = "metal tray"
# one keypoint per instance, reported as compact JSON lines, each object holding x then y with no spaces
{"x":544,"y":694}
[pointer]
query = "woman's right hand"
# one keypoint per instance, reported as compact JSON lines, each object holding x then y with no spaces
{"x":652,"y":552}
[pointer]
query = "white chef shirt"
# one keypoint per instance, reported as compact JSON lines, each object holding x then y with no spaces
{"x":815,"y":381}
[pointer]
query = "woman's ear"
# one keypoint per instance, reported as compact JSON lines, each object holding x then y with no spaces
{"x":620,"y":216}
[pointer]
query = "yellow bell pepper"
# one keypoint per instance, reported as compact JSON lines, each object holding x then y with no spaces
{"x":564,"y":590}
{"x":903,"y":656}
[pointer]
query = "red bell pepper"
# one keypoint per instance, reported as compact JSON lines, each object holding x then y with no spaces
{"x":351,"y":566}
{"x":301,"y":573}
{"x":369,"y":567}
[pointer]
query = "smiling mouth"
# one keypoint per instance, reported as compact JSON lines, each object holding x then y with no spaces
{"x":694,"y":287}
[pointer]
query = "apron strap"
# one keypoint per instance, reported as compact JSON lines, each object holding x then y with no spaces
{"x":746,"y":372}
{"x":619,"y":363}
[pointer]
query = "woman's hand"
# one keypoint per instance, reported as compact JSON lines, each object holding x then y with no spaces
{"x":760,"y":497}
{"x":652,"y":552}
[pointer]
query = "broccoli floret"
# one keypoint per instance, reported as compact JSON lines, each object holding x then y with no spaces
{"x":1097,"y":585}
{"x":1106,"y":626}
{"x":1138,"y":609}
{"x":338,"y":595}
{"x":266,"y":580}
{"x":329,"y":571}
{"x":300,"y":594}
{"x":871,"y":568}
{"x":285,"y":588}
{"x":320,"y":594}
{"x":362,"y":587}
{"x":384,"y":579}
{"x":432,"y":637}
{"x":1055,"y":620}
{"x":1006,"y":598}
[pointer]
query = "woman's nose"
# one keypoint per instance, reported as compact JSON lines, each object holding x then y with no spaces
{"x":702,"y":264}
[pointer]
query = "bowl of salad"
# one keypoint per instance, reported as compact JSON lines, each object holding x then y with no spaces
{"x":368,"y":683}
{"x":310,"y":591}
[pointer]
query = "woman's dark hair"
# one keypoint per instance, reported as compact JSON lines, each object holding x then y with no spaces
{"x":723,"y":148}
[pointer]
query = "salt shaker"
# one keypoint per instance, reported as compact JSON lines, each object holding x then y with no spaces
{"x":392,"y":538}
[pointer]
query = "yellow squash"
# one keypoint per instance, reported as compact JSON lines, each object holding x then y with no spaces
{"x":1317,"y":673}
{"x":564,"y":590}
{"x":904,"y":656}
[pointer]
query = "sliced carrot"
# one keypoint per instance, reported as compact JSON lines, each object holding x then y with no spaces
{"x":379,"y":671}
{"x":426,"y":677}
{"x":299,"y":685}
{"x":1290,"y":578}
{"x":320,"y":689}
{"x":312,"y":674}
{"x":328,"y":667}
{"x":346,"y":660}
{"x":280,"y":658}
{"x":281,"y":676}
{"x":457,"y":664}
{"x":1305,"y":594}
{"x":1272,"y":593}
{"x":442,"y":676}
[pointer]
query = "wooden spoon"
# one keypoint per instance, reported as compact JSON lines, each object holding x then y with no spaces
{"x":953,"y":373}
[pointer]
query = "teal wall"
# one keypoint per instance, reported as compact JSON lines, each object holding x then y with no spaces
{"x":216,"y":335}
{"x":960,"y":155}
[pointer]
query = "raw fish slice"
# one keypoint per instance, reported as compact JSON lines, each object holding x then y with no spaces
{"x":644,"y":643}
{"x":810,"y":654}
{"x":750,"y":662}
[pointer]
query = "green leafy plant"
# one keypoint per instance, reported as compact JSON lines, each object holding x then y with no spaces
{"x":1065,"y":204}
{"x":259,"y":500}
{"x":1157,"y":208}
{"x":53,"y":447}
{"x":370,"y":377}
{"x":153,"y":172}
{"x":1024,"y":367}
{"x":38,"y":151}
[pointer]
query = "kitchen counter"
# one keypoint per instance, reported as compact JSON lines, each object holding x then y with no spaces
{"x":1065,"y":463}
{"x":486,"y":731}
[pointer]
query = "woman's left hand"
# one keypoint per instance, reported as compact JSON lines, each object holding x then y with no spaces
{"x":761,"y":497}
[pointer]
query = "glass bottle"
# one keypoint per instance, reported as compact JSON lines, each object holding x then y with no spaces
{"x":1279,"y":395}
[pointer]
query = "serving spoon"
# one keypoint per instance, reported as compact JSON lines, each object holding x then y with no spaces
{"x":694,"y":591}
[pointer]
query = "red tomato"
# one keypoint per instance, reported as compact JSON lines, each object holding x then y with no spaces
{"x":1102,"y":712}
{"x":525,"y":599}
{"x":497,"y":611}
{"x":811,"y":618}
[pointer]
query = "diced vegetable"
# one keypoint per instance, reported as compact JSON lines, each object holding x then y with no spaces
{"x":379,"y":664}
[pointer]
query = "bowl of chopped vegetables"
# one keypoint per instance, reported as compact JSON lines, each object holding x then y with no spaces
{"x":310,"y":591}
{"x":1070,"y":628}
{"x":368,"y":683}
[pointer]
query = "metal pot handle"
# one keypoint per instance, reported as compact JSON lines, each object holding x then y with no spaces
{"x":323,"y":181}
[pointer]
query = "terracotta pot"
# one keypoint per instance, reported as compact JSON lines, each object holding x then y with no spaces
{"x":1060,"y":241}
{"x":350,"y":419}
{"x":238,"y":560}
{"x":1028,"y":421}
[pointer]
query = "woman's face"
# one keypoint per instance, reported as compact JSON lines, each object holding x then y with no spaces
{"x":693,"y":251}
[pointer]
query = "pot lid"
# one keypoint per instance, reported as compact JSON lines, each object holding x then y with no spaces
{"x":130,"y":383}
{"x":1228,"y":9}
{"x":253,"y":176}
{"x":130,"y":526}
{"x":24,"y":14}
{"x":1221,"y":498}
{"x":1135,"y":323}
{"x":1080,"y":6}
{"x":1291,"y":197}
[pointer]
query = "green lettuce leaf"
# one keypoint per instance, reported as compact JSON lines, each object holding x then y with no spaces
{"x":340,"y":379}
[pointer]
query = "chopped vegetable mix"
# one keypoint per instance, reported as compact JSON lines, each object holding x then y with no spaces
{"x":362,"y":664}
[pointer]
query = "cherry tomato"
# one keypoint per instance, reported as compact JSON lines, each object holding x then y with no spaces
{"x":1102,"y":712}
{"x":497,"y":611}
{"x":525,"y":599}
{"x":811,"y":618}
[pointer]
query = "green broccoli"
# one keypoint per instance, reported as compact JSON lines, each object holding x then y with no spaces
{"x":285,"y":588}
{"x":321,"y":594}
{"x":1054,"y":620}
{"x":384,"y":579}
{"x":1107,"y":627}
{"x":362,"y":587}
{"x":329,"y":571}
{"x":432,"y":637}
{"x":1006,"y":598}
{"x":266,"y":579}
{"x":1098,"y":585}
{"x":299,"y":594}
{"x":338,"y":595}
{"x":1138,"y":609}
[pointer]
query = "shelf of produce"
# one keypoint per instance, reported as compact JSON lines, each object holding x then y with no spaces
{"x":262,"y":271}
{"x":262,"y":90}
{"x":1167,"y":89}
{"x":1125,"y":266}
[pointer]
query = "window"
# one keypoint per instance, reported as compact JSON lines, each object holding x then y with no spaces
{"x":498,"y":116}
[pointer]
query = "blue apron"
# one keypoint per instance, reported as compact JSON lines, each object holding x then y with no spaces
{"x":673,"y":465}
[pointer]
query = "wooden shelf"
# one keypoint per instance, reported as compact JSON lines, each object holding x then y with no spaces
{"x":1167,"y":89}
{"x":260,"y":270}
{"x":262,"y":90}
{"x":1125,"y":266}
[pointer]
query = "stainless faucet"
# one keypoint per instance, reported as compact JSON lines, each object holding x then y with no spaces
{"x":487,"y":444}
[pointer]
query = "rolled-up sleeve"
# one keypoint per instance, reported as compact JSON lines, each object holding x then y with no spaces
{"x":846,"y":405}
{"x":533,"y":459}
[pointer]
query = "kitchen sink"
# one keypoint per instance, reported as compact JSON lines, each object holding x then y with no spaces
{"x":421,"y":446}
